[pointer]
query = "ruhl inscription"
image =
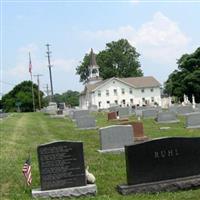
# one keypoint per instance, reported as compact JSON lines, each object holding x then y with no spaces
{"x":166,"y":153}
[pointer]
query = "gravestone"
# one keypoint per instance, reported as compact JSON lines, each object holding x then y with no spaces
{"x":3,"y":115}
{"x":138,"y":131}
{"x":80,"y":113}
{"x":173,"y":108}
{"x":62,"y":170}
{"x":114,"y":138}
{"x":112,"y":115}
{"x":86,"y":122}
{"x":114,"y":108}
{"x":193,"y":120}
{"x":184,"y":110}
{"x":149,"y":113}
{"x":123,"y":112}
{"x":167,"y":117}
{"x":61,"y":106}
{"x":166,"y":164}
{"x":93,"y":108}
{"x":59,"y":112}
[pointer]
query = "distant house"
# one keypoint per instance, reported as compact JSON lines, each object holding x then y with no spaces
{"x":121,"y":91}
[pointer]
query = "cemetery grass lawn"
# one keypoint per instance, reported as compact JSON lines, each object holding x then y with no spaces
{"x":22,"y":132}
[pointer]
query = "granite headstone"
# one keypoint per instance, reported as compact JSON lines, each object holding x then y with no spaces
{"x":193,"y":120}
{"x":86,"y":122}
{"x":114,"y":138}
{"x":184,"y":110}
{"x":167,"y":117}
{"x":62,"y":170}
{"x":165,"y":164}
{"x":149,"y":113}
{"x":112,"y":115}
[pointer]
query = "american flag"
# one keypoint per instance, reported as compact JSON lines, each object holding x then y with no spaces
{"x":30,"y":64}
{"x":26,"y":170}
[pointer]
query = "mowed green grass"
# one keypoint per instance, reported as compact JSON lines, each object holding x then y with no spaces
{"x":21,"y":133}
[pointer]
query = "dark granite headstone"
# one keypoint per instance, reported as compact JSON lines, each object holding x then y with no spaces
{"x":59,"y":112}
{"x":61,"y":106}
{"x":61,"y":165}
{"x":158,"y":165}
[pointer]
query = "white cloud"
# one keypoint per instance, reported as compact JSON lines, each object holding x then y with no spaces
{"x":159,"y":40}
{"x":65,"y":65}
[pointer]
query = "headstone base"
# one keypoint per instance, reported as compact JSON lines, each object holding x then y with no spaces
{"x":89,"y":189}
{"x":191,"y":182}
{"x":141,"y":139}
{"x":88,"y":128}
{"x":57,"y":116}
{"x":117,"y":150}
{"x":169,"y":122}
{"x":193,"y":127}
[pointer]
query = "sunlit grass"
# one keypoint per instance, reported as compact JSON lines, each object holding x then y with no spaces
{"x":21,"y":133}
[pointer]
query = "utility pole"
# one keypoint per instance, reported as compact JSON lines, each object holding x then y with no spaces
{"x":47,"y":92}
{"x":49,"y":65}
{"x":38,"y":82}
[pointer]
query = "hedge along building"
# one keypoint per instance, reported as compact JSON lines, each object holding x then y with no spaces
{"x":121,"y":91}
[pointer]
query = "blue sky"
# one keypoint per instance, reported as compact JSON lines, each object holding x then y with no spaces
{"x":161,"y":33}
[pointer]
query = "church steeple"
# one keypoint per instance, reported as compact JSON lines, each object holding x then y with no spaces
{"x":93,"y":69}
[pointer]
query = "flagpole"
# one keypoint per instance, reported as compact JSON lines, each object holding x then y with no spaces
{"x":30,"y":70}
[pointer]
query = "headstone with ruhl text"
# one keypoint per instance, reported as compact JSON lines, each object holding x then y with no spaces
{"x":62,"y":170}
{"x":166,"y":164}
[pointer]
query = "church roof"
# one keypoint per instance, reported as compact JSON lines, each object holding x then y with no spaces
{"x":136,"y":82}
{"x":140,"y":82}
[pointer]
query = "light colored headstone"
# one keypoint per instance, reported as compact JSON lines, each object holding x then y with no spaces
{"x":167,"y":117}
{"x":184,"y":110}
{"x":152,"y":113}
{"x":114,"y":138}
{"x":123,"y":111}
{"x":80,"y":113}
{"x":86,"y":122}
{"x":193,"y":120}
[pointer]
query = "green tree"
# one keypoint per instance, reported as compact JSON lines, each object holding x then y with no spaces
{"x":119,"y":59}
{"x":21,"y":95}
{"x":70,"y":98}
{"x":185,"y":80}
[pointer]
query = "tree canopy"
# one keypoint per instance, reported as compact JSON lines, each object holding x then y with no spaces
{"x":70,"y":98}
{"x":119,"y":59}
{"x":185,"y":80}
{"x":21,"y":96}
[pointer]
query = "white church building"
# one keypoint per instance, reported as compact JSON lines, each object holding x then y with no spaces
{"x":131,"y":91}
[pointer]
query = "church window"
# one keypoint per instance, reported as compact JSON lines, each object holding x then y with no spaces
{"x":107,"y":92}
{"x":99,"y":93}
